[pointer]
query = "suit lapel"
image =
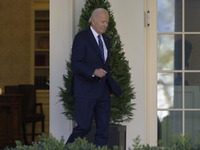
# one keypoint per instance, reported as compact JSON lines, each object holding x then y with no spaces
{"x":106,"y":41}
{"x":93,"y":41}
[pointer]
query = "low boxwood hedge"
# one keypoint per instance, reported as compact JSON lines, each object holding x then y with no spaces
{"x":177,"y":142}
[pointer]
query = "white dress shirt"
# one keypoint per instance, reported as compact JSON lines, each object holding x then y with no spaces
{"x":104,"y":46}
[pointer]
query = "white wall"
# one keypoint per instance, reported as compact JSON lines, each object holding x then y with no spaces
{"x":130,"y":26}
{"x":129,"y":17}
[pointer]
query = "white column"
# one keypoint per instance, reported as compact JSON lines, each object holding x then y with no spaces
{"x":61,"y":35}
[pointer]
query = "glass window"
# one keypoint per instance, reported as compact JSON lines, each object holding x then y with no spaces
{"x":169,"y":52}
{"x":169,"y":15}
{"x":178,"y":68}
{"x":192,"y":17}
{"x":169,"y":91}
{"x":192,"y":124}
{"x":192,"y":90}
{"x":169,"y":124}
{"x":192,"y":52}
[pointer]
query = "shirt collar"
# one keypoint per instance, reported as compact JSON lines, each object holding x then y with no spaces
{"x":94,"y":32}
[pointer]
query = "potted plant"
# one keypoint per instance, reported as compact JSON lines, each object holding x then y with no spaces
{"x":121,"y":107}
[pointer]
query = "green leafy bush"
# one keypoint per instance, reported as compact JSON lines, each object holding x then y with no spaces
{"x":177,"y":142}
{"x":45,"y":143}
{"x":82,"y":144}
{"x":51,"y":143}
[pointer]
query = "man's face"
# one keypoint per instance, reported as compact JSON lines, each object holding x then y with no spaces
{"x":100,"y":23}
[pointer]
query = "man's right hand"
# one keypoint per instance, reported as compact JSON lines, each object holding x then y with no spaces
{"x":100,"y":73}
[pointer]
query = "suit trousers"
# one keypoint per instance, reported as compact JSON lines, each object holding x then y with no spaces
{"x":85,"y":110}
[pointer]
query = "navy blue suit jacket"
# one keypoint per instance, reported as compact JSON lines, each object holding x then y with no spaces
{"x":86,"y":57}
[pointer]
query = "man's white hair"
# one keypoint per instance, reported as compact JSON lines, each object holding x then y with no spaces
{"x":96,"y":12}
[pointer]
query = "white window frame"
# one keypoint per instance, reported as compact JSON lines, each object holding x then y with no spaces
{"x":151,"y":73}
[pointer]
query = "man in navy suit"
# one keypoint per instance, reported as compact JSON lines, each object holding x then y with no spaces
{"x":92,"y":82}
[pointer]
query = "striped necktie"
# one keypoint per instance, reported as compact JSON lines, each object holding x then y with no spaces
{"x":101,"y":47}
